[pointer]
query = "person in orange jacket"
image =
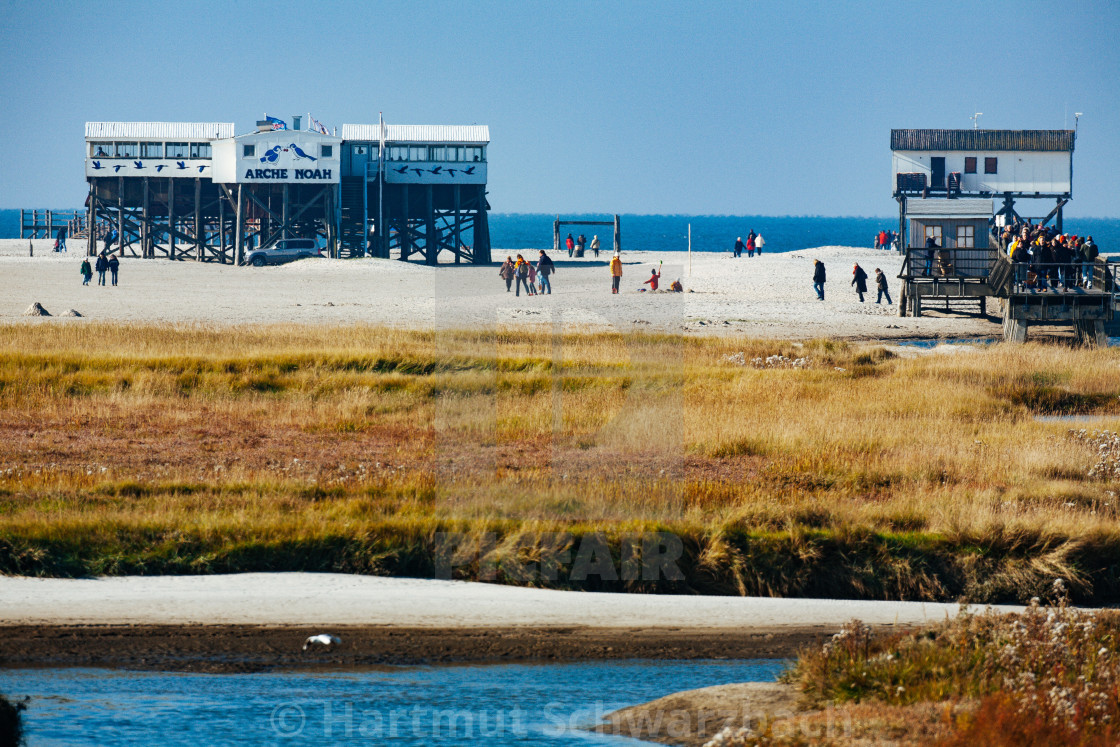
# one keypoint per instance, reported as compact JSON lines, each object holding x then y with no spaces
{"x":616,"y":273}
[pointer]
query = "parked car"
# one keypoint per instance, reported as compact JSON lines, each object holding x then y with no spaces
{"x":284,"y":250}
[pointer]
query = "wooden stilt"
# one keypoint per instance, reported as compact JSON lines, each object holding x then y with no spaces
{"x":431,"y":242}
{"x":91,"y":218}
{"x":404,"y":233}
{"x":458,"y":227}
{"x":170,"y":218}
{"x":199,"y":239}
{"x":145,"y":228}
{"x":120,"y":216}
{"x":239,"y":229}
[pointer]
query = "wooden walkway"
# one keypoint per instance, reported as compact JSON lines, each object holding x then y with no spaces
{"x":1060,"y":297}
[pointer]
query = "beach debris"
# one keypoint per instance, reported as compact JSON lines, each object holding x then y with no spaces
{"x":36,"y":309}
{"x":323,"y":639}
{"x":770,"y":361}
{"x":73,"y":312}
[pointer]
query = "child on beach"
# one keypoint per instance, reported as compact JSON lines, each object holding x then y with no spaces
{"x":653,"y":278}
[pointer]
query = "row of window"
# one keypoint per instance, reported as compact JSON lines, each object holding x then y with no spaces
{"x":991,"y":165}
{"x":450,"y":153}
{"x":249,"y":150}
{"x":149,"y":150}
{"x":966,"y":236}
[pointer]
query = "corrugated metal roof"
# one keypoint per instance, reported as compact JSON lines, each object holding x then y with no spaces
{"x":469,"y":134}
{"x":160,"y":130}
{"x":935,"y":207}
{"x":983,"y":140}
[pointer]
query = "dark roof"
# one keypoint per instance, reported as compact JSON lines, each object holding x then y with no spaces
{"x":983,"y":140}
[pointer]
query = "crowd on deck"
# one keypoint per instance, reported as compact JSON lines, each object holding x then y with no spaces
{"x":1045,"y":258}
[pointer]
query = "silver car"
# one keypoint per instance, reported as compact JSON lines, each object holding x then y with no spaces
{"x":284,"y":250}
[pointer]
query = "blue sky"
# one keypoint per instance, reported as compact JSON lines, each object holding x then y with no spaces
{"x":772,"y":108}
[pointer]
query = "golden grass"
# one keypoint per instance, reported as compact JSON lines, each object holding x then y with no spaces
{"x":145,"y":448}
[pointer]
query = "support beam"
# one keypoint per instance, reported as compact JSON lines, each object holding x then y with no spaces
{"x":91,"y":219}
{"x":239,"y":230}
{"x":199,"y":241}
{"x":431,"y":242}
{"x":171,"y":218}
{"x":1014,"y":330}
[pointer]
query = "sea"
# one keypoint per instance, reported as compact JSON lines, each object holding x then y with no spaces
{"x":512,"y":232}
{"x":500,"y":705}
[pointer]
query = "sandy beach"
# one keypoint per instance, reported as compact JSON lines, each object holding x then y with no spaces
{"x":246,"y":622}
{"x":767,"y":296}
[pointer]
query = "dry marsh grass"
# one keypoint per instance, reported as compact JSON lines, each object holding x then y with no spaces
{"x":146,"y":449}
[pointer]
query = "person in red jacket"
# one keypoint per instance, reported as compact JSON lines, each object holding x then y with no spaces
{"x":653,"y":278}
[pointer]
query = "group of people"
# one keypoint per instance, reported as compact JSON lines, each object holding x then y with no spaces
{"x":859,"y":282}
{"x":60,"y":240}
{"x":1045,"y":258}
{"x":536,"y":278}
{"x":754,"y":244}
{"x":103,"y":264}
{"x":527,"y":275}
{"x":886,"y":240}
{"x":578,"y":246}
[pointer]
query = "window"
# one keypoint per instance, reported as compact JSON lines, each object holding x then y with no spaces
{"x":151,"y":150}
{"x":935,"y":232}
{"x":438,"y":153}
{"x":200,"y":150}
{"x":248,"y":151}
{"x":970,"y":164}
{"x":966,"y":237}
{"x":326,"y":151}
{"x":177,"y":150}
{"x":398,"y":153}
{"x":990,"y":165}
{"x":101,"y":150}
{"x":359,"y":150}
{"x":127,"y":150}
{"x":472,"y":154}
{"x":418,"y":153}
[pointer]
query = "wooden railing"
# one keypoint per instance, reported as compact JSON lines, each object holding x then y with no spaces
{"x":946,"y":264}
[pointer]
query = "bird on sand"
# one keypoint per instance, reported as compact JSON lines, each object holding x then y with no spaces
{"x":323,"y":639}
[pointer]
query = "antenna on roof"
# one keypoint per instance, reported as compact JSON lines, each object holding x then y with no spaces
{"x":1076,"y":116}
{"x":975,"y":117}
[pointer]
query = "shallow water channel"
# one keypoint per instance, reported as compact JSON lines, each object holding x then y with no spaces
{"x":509,"y":704}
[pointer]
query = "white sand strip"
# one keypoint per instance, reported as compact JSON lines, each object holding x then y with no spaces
{"x":314,"y":598}
{"x":767,"y":296}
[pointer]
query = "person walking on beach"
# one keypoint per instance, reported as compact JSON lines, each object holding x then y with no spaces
{"x":616,"y":273}
{"x":881,"y":285}
{"x":571,"y":244}
{"x":532,"y":278}
{"x":109,"y":239}
{"x":87,"y":273}
{"x":506,"y":273}
{"x":653,"y":278}
{"x":521,"y":269}
{"x":595,"y":245}
{"x":581,"y":245}
{"x":758,"y":242}
{"x":818,"y":278}
{"x":545,"y":268}
{"x":859,"y":280}
{"x":114,"y":265}
{"x":101,"y":266}
{"x":739,"y":246}
{"x":60,"y":245}
{"x":750,"y":243}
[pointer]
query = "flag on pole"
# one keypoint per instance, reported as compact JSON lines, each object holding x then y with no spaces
{"x":317,"y":126}
{"x":277,"y":123}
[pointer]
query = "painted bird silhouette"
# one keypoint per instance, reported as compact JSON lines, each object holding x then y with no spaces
{"x":271,"y":154}
{"x":452,"y":172}
{"x":97,"y":166}
{"x":181,"y":165}
{"x":418,"y":171}
{"x":436,"y":170}
{"x":469,"y":171}
{"x":401,"y":170}
{"x":118,"y":167}
{"x":138,"y":164}
{"x":161,"y":167}
{"x":300,"y":153}
{"x":200,"y":168}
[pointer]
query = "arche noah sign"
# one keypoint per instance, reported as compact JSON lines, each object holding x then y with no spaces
{"x":288,"y":175}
